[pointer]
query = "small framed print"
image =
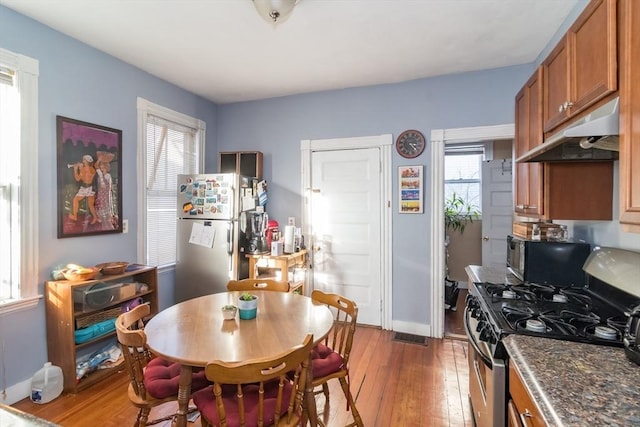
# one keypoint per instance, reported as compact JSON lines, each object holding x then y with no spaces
{"x":411,"y":194}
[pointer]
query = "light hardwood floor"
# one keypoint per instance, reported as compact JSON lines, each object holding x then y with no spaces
{"x":397,"y":384}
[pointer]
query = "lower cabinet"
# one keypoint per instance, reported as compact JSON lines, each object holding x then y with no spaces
{"x":80,"y":320}
{"x":521,"y":408}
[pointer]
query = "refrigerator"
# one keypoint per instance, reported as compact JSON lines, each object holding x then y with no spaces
{"x":212,"y":232}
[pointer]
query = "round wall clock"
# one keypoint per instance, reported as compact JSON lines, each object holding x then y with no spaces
{"x":410,"y":144}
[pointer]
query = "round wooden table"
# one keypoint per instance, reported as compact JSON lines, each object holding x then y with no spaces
{"x":194,"y":333}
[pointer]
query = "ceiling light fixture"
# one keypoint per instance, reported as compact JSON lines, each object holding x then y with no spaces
{"x":275,"y":11}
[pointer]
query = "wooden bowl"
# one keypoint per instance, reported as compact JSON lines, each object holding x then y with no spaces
{"x":116,"y":267}
{"x":78,"y":275}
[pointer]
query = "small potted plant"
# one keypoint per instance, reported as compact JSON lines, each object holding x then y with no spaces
{"x":248,"y":305}
{"x":229,"y":311}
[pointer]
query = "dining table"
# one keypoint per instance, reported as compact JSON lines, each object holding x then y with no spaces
{"x":194,"y":333}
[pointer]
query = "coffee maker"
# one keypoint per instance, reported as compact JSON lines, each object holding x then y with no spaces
{"x":257,"y":235}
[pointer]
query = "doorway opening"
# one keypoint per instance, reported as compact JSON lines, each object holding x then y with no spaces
{"x":439,"y":139}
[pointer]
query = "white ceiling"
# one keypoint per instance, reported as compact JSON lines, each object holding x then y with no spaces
{"x":224,"y":51}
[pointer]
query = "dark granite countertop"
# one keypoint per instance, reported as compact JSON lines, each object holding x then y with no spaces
{"x":479,"y":273}
{"x":576,"y":384}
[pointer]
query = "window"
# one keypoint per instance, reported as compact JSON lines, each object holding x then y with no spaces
{"x":18,"y":181}
{"x":462,"y":174}
{"x":169,"y":143}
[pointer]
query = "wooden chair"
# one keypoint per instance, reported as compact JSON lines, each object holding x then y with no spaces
{"x":257,"y":285}
{"x":154,"y":381}
{"x":257,"y":392}
{"x":330,"y":358}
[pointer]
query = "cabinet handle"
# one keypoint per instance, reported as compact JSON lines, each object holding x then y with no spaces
{"x":561,"y":108}
{"x":485,"y":238}
{"x":568,"y":105}
{"x":523,"y":417}
{"x":521,"y":206}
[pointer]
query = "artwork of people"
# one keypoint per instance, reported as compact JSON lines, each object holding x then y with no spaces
{"x":88,"y":178}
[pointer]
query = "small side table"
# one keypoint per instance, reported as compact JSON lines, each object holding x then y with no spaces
{"x":278,"y":268}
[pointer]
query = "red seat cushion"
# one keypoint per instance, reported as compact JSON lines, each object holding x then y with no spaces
{"x":205,"y":401}
{"x":325,"y":361}
{"x":162,"y":378}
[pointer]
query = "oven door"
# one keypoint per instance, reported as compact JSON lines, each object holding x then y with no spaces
{"x":487,"y":378}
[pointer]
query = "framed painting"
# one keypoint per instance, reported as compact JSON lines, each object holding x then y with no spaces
{"x":89,"y":178}
{"x":410,"y":179}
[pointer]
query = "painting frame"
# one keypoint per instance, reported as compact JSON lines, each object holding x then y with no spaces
{"x":89,"y":178}
{"x":411,"y":189}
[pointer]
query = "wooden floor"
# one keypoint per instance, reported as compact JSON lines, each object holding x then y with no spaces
{"x":395,"y":384}
{"x":453,"y":320}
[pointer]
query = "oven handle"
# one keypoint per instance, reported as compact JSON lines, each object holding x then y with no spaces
{"x":487,"y":361}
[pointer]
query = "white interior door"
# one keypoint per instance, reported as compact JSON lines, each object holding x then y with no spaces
{"x":497,"y":211}
{"x":346,"y":227}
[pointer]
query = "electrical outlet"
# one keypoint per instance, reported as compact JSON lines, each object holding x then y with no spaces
{"x":125,"y":226}
{"x":291,"y":221}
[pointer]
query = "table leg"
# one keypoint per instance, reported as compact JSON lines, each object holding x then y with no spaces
{"x":184,"y":394}
{"x":310,"y":399}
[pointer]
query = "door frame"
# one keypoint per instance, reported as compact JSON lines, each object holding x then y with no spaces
{"x":440,"y":137}
{"x":384,"y":144}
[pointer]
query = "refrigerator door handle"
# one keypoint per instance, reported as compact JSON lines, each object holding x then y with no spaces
{"x":230,"y":239}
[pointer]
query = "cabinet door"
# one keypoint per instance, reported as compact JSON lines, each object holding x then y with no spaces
{"x":629,"y":114}
{"x":593,"y":55}
{"x":582,"y":68}
{"x":555,"y":77}
{"x":528,"y":176}
{"x":248,"y":163}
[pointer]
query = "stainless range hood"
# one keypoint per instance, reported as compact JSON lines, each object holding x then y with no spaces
{"x":592,"y":137}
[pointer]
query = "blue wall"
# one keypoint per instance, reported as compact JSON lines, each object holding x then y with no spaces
{"x":276,"y":127}
{"x":83,"y":83}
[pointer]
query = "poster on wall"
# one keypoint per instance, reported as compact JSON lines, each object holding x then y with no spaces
{"x":411,"y":189}
{"x":89,"y":178}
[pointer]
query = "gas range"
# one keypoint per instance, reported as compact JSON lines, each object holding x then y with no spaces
{"x":589,"y":314}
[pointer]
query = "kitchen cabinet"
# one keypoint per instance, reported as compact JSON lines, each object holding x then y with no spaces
{"x":629,"y":115}
{"x":289,"y":268}
{"x":248,"y":163}
{"x":528,"y":176}
{"x":555,"y":190}
{"x":72,"y":306}
{"x":582,"y":69}
{"x":521,"y":408}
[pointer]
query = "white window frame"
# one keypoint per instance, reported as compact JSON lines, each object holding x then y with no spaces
{"x":145,"y":109}
{"x":468,"y":149}
{"x":27,"y":72}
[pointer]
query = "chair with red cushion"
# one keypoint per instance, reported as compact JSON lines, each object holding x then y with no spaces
{"x":256,"y":392}
{"x":330,"y":358}
{"x":154,"y":381}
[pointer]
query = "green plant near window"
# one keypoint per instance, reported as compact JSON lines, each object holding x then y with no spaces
{"x":458,"y":213}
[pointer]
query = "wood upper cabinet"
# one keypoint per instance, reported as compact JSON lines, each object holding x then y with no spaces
{"x":528,"y":176}
{"x":630,"y":115}
{"x":582,"y":68}
{"x":555,"y":190}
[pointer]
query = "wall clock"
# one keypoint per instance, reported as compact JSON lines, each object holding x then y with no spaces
{"x":410,"y":144}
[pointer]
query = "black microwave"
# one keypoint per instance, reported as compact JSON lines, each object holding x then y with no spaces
{"x":556,"y":263}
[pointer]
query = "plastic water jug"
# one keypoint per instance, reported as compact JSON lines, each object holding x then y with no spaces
{"x":47,"y":383}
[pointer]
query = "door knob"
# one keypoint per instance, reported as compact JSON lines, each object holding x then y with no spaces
{"x":485,"y":238}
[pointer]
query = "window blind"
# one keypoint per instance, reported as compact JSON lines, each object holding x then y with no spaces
{"x":171,"y":149}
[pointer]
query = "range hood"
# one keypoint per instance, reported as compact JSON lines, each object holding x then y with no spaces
{"x":592,"y":137}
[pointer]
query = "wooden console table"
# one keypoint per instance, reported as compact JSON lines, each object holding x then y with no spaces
{"x":277,"y":267}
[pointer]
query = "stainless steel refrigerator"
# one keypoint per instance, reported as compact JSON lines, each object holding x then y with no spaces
{"x":212,"y":232}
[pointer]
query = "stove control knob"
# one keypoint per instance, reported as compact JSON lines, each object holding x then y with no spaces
{"x":485,"y":334}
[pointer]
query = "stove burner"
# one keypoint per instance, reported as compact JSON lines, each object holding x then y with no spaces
{"x":560,"y":298}
{"x":606,"y":333}
{"x":508,"y":294}
{"x":536,"y":325}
